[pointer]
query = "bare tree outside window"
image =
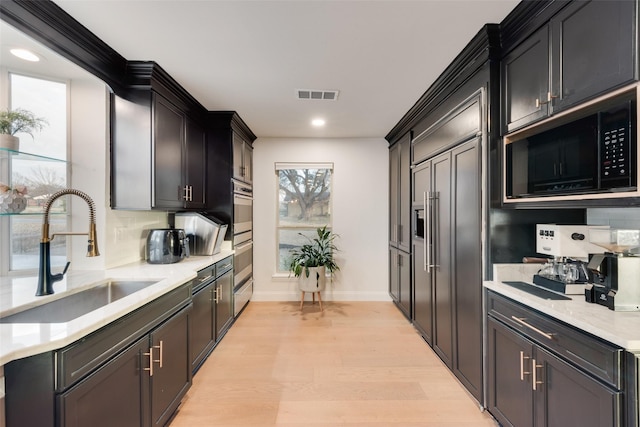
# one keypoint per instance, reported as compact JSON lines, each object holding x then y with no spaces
{"x":304,"y":201}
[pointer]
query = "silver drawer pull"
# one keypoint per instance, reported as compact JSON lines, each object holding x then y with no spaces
{"x":533,"y":328}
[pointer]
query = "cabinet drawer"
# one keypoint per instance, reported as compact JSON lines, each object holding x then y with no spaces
{"x":600,"y":359}
{"x":82,"y":357}
{"x":224,"y":266}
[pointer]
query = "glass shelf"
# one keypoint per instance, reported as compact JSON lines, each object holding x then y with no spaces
{"x":19,"y":155}
{"x":10,"y":158}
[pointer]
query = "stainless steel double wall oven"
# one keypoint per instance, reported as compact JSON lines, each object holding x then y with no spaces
{"x":242,"y":243}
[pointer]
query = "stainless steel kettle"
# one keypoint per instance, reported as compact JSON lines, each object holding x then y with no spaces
{"x":166,"y":246}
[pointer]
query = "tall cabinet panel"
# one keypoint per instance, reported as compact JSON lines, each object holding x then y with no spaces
{"x":399,"y":223}
{"x":441,"y":256}
{"x":466,"y":250}
{"x":421,"y":272}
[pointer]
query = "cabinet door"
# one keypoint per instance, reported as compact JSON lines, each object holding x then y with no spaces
{"x":509,"y":359}
{"x":441,"y":257}
{"x":201,"y":325}
{"x":172,"y":368}
{"x":394,"y":187}
{"x":394,"y":285}
{"x":238,"y":162}
{"x":525,"y":81}
{"x":421,"y":184}
{"x":404,"y":203}
{"x":195,"y":165}
{"x":112,"y":396}
{"x":593,"y":49}
{"x":404,"y":282}
{"x":467,"y":266}
{"x":224,"y":303}
{"x":247,"y":162}
{"x":565,"y":396}
{"x":422,"y":292}
{"x":168,"y":140}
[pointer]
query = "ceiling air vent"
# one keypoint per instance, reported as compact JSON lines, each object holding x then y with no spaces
{"x":328,"y":95}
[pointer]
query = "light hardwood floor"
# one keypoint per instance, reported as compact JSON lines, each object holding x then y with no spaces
{"x":357,"y":364}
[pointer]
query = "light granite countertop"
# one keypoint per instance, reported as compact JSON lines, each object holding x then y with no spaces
{"x":20,"y":340}
{"x":617,"y":327}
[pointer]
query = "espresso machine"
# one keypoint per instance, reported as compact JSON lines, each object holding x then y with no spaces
{"x":570,"y":247}
{"x":616,"y":273}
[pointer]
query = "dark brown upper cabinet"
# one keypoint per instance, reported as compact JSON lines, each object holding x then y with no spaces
{"x":158,"y":147}
{"x":584,"y":50}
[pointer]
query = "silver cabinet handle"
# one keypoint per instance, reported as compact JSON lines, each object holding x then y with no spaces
{"x":521,"y":320}
{"x":217,"y":297}
{"x":534,"y":368}
{"x":159,"y":347}
{"x":150,"y":368}
{"x":522,"y":371}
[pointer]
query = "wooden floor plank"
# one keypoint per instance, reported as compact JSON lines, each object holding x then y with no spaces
{"x":356,"y":364}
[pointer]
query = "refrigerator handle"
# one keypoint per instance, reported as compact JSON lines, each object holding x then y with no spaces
{"x":434,"y":199}
{"x":427,"y":232}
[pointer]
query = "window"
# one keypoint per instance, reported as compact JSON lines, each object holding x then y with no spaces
{"x":43,"y":171}
{"x":304,"y":204}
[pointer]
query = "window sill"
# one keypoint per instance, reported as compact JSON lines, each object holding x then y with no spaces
{"x":283,"y":277}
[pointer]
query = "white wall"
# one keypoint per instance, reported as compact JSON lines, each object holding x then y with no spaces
{"x":360,"y":216}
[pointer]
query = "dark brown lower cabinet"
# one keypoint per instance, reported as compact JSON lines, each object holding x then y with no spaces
{"x":531,"y":386}
{"x":142,"y":386}
{"x":202,"y":331}
{"x":400,"y":279}
{"x":212,"y":313}
{"x":171,"y":375}
{"x":224,"y":303}
{"x":114,"y":395}
{"x":132,"y":372}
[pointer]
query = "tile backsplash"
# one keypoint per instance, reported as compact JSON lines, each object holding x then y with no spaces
{"x":614,"y":217}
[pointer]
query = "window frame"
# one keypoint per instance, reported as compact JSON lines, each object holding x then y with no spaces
{"x":310,"y":228}
{"x":6,"y":220}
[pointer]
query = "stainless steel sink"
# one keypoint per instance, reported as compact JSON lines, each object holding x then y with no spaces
{"x":75,"y":305}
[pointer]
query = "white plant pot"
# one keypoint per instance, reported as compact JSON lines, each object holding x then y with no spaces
{"x":12,"y":202}
{"x":9,"y":141}
{"x":316,"y":281}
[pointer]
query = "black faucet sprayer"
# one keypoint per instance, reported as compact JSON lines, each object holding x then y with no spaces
{"x":45,"y":278}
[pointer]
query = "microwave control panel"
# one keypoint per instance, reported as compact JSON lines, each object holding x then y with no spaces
{"x":615,"y":147}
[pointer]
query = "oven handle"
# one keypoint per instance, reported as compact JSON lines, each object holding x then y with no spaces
{"x":242,"y":196}
{"x":243,"y":247}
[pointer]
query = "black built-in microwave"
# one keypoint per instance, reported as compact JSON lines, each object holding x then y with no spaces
{"x":595,"y":153}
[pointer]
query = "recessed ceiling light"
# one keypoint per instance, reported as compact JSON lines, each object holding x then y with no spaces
{"x":318,"y":122}
{"x":25,"y":54}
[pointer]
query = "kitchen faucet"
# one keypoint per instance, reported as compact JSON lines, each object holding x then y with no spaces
{"x":45,"y":278}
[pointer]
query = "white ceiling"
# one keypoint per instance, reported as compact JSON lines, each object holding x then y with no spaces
{"x":251,"y":56}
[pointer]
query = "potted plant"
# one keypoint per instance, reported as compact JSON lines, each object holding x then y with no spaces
{"x":310,"y":261}
{"x":18,"y":120}
{"x":12,"y":200}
